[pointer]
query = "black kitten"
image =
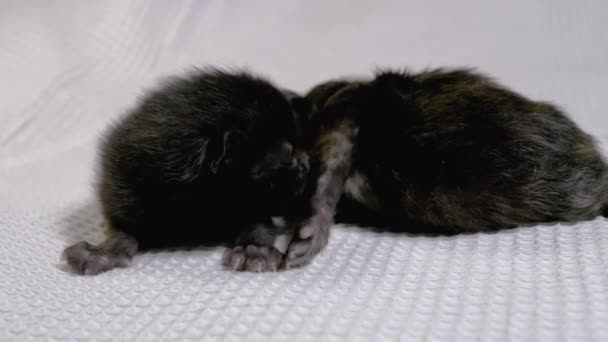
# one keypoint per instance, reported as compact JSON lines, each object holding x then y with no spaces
{"x":445,"y":152}
{"x":207,"y":158}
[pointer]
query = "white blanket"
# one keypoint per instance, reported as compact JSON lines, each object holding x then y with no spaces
{"x":68,"y":67}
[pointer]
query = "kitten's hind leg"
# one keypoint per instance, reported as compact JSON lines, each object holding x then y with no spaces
{"x":257,"y":250}
{"x":116,"y":251}
{"x":333,"y":160}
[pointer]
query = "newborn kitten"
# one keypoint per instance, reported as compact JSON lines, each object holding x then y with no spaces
{"x":204,"y":159}
{"x":445,"y":152}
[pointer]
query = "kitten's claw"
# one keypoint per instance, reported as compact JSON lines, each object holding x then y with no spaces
{"x":84,"y":258}
{"x":310,"y":240}
{"x":252,"y":258}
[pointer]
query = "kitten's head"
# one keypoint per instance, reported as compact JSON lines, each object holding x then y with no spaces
{"x":266,"y":153}
{"x":280,"y":165}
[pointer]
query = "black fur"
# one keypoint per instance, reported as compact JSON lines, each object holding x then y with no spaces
{"x":447,"y":152}
{"x":199,"y":161}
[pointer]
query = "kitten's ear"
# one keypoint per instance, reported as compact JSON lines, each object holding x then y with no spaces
{"x":230,"y":149}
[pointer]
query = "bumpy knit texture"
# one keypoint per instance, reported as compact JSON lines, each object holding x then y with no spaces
{"x":68,"y":68}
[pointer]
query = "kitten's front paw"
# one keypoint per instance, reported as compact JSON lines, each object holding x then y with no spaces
{"x":84,"y":258}
{"x":252,"y":258}
{"x":310,"y":240}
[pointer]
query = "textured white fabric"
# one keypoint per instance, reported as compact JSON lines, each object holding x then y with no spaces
{"x":67,"y":68}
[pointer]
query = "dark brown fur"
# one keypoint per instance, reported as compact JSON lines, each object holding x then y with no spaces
{"x":445,"y":152}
